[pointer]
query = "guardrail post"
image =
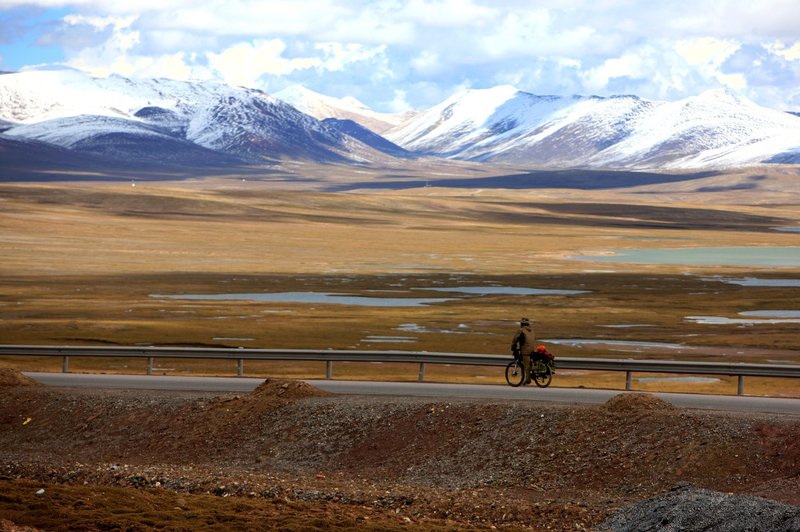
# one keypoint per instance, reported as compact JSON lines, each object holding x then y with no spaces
{"x":240,"y":367}
{"x":65,"y":364}
{"x":421,"y":372}
{"x":329,"y":369}
{"x":628,"y":380}
{"x":740,"y":386}
{"x":149,"y":365}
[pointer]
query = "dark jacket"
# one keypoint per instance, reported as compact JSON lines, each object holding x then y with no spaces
{"x":524,"y":341}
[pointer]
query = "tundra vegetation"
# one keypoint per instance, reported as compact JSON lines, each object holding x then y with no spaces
{"x":84,"y":264}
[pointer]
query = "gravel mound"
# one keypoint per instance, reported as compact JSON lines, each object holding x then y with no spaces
{"x":686,"y":508}
{"x":286,"y":389}
{"x":12,"y":377}
{"x":626,"y":403}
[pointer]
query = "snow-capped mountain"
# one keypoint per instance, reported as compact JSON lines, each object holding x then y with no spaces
{"x":205,"y":123}
{"x":321,"y":107}
{"x":251,"y":125}
{"x":157,"y":122}
{"x":506,"y":125}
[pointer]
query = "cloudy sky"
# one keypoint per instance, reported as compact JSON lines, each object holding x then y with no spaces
{"x":394,"y":54}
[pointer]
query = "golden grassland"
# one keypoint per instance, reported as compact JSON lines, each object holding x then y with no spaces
{"x":83,"y":264}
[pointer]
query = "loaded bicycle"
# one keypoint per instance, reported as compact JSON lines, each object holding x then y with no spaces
{"x":543,"y":367}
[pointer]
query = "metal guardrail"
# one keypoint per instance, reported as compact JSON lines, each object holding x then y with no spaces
{"x":629,"y":366}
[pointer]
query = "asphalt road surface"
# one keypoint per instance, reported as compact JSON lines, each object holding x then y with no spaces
{"x":470,"y":391}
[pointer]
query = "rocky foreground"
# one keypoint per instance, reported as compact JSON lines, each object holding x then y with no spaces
{"x":290,"y":456}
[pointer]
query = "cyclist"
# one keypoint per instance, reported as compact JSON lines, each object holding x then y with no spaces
{"x":524,"y":344}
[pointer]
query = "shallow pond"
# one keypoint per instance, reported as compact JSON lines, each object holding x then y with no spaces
{"x":754,"y":281}
{"x":698,"y":380}
{"x":389,"y":340}
{"x":506,"y":290}
{"x":622,"y":344}
{"x":719,"y":256}
{"x":772,"y":313}
{"x":753,"y":317}
{"x":331,"y":298}
{"x":337,"y":298}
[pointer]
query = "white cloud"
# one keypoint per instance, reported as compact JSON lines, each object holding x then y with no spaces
{"x":790,"y":53}
{"x":338,"y":55}
{"x":399,"y":103}
{"x":427,"y":62}
{"x":244,"y":63}
{"x":447,"y":13}
{"x":737,"y":81}
{"x":630,"y":65}
{"x":426,"y":48}
{"x":706,"y":55}
{"x":111,"y":56}
{"x":706,"y":51}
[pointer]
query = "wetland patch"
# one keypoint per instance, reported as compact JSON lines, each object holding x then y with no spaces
{"x":621,"y":345}
{"x":705,"y":256}
{"x":506,"y":290}
{"x":325,"y":298}
{"x":696,"y":380}
{"x":376,"y":300}
{"x":753,"y":317}
{"x":755,"y":281}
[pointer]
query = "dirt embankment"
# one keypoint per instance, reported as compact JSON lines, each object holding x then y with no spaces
{"x":292,"y":456}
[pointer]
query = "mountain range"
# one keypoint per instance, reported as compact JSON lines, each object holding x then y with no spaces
{"x":161,"y":123}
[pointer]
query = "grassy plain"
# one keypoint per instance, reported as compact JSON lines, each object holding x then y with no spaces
{"x":83,"y":264}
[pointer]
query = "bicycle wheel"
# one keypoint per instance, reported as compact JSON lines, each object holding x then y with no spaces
{"x":515,"y":374}
{"x":542,"y":375}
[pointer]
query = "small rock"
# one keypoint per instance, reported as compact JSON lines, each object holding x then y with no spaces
{"x":40,"y":491}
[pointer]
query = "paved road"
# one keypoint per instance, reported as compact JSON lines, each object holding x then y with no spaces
{"x":474,"y":391}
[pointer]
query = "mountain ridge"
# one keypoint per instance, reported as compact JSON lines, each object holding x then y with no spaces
{"x":321,"y":107}
{"x":512,"y":126}
{"x":213,"y":124}
{"x":69,"y":109}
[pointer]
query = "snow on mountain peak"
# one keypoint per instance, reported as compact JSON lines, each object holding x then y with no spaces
{"x":37,"y":95}
{"x":722,"y":95}
{"x":503,"y":124}
{"x":348,"y":108}
{"x":499,"y":124}
{"x":476,"y":104}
